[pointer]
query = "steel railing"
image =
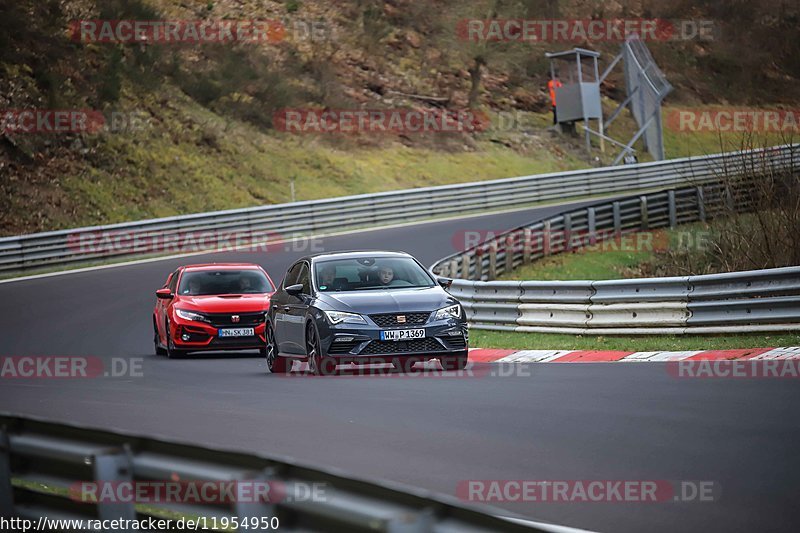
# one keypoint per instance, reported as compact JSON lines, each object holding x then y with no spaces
{"x":44,"y":467}
{"x":222,"y":229}
{"x":760,"y":300}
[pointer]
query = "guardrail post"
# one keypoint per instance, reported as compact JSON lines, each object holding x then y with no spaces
{"x":701,"y":205}
{"x":592,"y":216}
{"x":617,"y":221}
{"x":478,"y":274}
{"x":493,"y":260}
{"x":673,"y":211}
{"x":466,"y":259}
{"x":644,"y":213}
{"x":526,"y":245}
{"x":546,"y":238}
{"x":510,"y":249}
{"x":245,"y":510}
{"x":453,"y":270}
{"x":6,"y":490}
{"x":729,"y":197}
{"x":568,"y":232}
{"x":113,"y":468}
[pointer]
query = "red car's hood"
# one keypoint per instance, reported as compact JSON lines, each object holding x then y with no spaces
{"x":241,"y":303}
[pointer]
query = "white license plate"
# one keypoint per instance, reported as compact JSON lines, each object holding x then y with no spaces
{"x":402,"y":334}
{"x":237,"y":332}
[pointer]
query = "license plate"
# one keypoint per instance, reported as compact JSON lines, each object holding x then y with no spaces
{"x":402,"y":334}
{"x":237,"y":332}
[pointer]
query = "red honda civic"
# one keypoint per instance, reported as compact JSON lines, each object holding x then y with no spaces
{"x":212,"y":307}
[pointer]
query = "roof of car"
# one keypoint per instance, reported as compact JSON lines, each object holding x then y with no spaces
{"x":221,"y":266}
{"x":353,"y":254}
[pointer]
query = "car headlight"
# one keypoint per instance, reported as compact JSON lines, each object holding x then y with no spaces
{"x":453,"y":311}
{"x":339,"y":316}
{"x":189,"y":315}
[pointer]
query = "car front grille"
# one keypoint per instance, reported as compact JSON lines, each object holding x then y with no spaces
{"x":411,"y":346}
{"x":225,"y":320}
{"x":389,"y":320}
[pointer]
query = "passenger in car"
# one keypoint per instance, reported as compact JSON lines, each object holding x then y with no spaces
{"x":386,"y":275}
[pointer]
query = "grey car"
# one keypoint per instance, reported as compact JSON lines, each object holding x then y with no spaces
{"x":363,"y":307}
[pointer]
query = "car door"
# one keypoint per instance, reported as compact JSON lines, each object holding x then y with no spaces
{"x":296,"y":308}
{"x":279,"y":309}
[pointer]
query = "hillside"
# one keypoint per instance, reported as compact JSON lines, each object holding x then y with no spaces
{"x":204,"y":135}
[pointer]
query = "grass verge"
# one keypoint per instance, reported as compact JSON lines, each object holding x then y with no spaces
{"x":641,"y":343}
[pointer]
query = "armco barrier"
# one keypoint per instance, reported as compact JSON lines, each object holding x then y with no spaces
{"x":761,"y":300}
{"x":658,"y":308}
{"x":36,"y":454}
{"x":258,"y":224}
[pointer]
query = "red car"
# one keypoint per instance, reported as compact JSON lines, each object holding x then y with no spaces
{"x":212,"y":307}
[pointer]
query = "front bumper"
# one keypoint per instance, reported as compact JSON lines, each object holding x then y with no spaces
{"x":205,"y":337}
{"x":347,"y":342}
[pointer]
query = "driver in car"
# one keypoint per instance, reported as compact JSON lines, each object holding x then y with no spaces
{"x":327,"y":277}
{"x":193,"y":289}
{"x":245,"y":285}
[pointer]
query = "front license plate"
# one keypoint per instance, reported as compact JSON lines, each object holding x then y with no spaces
{"x":402,"y":334}
{"x":237,"y":332}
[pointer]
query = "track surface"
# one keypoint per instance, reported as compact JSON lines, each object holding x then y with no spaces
{"x":550,"y":421}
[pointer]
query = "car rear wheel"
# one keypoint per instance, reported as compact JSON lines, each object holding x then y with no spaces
{"x":156,"y":341}
{"x":454,"y":362}
{"x":275,"y":363}
{"x":318,"y":364}
{"x":172,"y":352}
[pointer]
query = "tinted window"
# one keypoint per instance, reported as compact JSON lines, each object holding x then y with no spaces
{"x":173,"y":281}
{"x":367,"y":273}
{"x":304,"y":280}
{"x":291,"y":276}
{"x":207,"y":282}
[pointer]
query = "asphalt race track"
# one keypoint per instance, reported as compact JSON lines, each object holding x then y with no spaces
{"x":545,"y":422}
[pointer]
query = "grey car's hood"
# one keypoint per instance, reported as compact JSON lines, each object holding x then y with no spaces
{"x":370,"y":302}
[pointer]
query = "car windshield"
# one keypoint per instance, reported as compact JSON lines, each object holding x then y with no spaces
{"x":210,"y":282}
{"x":370,"y":273}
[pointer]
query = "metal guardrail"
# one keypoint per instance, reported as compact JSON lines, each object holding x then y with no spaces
{"x":761,"y":300}
{"x":36,"y":454}
{"x":260,"y":224}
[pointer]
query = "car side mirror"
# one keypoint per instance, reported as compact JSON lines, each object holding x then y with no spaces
{"x":295,"y":290}
{"x":445,"y":282}
{"x":164,"y":294}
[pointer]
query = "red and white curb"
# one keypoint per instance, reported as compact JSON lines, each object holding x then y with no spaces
{"x":484,"y":355}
